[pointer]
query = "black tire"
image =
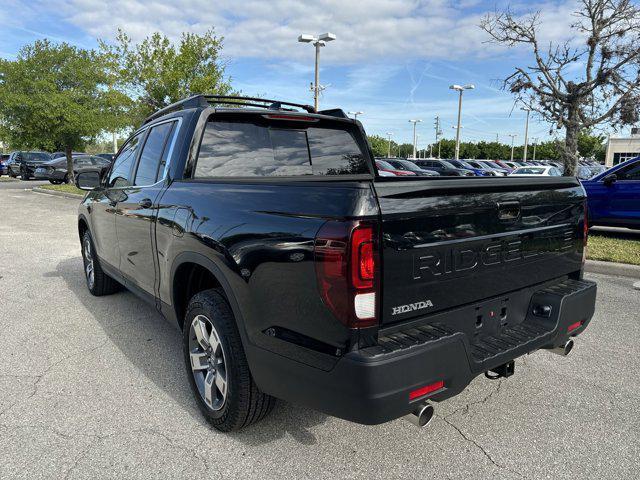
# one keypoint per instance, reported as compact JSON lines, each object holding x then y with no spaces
{"x":24,"y":176}
{"x":65,"y":179}
{"x":243,"y":404}
{"x":101,"y":284}
{"x":55,"y":182}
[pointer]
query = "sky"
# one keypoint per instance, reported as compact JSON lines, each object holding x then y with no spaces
{"x":393,"y":59}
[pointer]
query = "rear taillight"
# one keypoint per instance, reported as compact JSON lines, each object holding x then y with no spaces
{"x":346,"y":258}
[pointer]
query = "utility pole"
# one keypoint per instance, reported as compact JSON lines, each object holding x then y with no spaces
{"x":389,"y":134}
{"x":115,"y":143}
{"x":513,"y":136}
{"x":526,"y":134}
{"x":460,"y":89}
{"x":355,"y":114}
{"x":535,"y":144}
{"x":415,"y":137}
{"x":497,"y":138}
{"x":318,"y":42}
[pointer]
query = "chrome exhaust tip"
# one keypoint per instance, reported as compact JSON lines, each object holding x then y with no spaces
{"x":563,"y":350}
{"x":421,"y":416}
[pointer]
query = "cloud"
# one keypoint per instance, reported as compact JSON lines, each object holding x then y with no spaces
{"x":367,"y":29}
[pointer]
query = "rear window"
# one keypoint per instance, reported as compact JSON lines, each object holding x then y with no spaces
{"x":237,"y":149}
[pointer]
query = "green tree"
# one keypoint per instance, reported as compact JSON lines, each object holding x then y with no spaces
{"x":157,"y":72}
{"x":379,"y":146}
{"x":52,"y":97}
{"x":591,"y":145}
{"x":589,"y":79}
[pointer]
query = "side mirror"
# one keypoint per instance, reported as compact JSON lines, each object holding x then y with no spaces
{"x":89,"y":180}
{"x":610,"y":179}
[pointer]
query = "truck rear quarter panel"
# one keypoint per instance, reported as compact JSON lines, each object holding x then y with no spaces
{"x":260,"y":236}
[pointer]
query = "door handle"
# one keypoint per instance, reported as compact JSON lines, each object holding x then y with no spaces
{"x":145,"y":203}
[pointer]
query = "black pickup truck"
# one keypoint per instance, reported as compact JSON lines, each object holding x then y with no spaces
{"x":262,"y":230}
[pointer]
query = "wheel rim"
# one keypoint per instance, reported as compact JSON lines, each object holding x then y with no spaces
{"x":88,"y":262}
{"x":208,"y":362}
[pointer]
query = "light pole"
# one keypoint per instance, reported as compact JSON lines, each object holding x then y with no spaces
{"x":460,"y":89}
{"x":415,"y":138}
{"x":355,"y":114}
{"x":526,"y":134}
{"x":389,"y":134}
{"x":513,"y":136}
{"x":318,"y":42}
{"x":535,"y":144}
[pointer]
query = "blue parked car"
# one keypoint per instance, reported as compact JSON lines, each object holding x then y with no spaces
{"x":462,"y":164}
{"x":613,"y":197}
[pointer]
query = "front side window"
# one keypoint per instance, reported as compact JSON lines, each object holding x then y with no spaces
{"x":120,"y":175}
{"x":242,"y":149}
{"x":632,"y":172}
{"x":153,"y":154}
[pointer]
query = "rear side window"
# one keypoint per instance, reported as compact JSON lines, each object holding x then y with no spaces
{"x":153,"y":154}
{"x":235,"y":149}
{"x":120,"y":175}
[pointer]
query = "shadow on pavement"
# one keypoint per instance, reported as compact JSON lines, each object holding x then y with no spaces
{"x":154,"y":347}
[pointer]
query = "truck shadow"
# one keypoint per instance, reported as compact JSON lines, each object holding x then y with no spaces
{"x":154,"y":347}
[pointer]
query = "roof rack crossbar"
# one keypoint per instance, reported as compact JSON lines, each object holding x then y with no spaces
{"x":264,"y":102}
{"x":196,"y":101}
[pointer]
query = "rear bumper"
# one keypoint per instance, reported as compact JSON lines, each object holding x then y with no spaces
{"x":372,"y":385}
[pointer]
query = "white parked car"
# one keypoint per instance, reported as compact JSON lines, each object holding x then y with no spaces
{"x":536,"y":172}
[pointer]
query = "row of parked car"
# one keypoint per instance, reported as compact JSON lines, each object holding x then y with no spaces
{"x":482,"y":168}
{"x":50,"y":166}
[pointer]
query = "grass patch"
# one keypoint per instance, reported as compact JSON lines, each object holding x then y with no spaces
{"x":66,"y":188}
{"x":8,"y":179}
{"x":614,"y":247}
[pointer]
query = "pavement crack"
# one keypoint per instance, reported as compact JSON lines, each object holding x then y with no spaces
{"x":465,"y":408}
{"x":479,"y":447}
{"x":40,"y":376}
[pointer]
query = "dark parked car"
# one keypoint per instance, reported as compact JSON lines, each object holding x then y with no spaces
{"x":55,"y":155}
{"x":444,"y":168}
{"x":56,"y":170}
{"x":106,"y":156}
{"x":410,"y":166}
{"x":295,"y":272}
{"x":614,"y":196}
{"x":4,"y":166}
{"x":25,"y":163}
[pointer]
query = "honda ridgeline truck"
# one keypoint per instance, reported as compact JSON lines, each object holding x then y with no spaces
{"x":295,"y":271}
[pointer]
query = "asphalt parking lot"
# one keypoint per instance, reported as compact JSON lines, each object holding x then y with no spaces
{"x":96,"y":388}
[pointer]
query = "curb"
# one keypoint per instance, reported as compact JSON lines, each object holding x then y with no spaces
{"x":612,"y":268}
{"x":56,"y":194}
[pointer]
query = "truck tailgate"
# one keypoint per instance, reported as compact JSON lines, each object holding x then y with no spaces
{"x":447,"y":243}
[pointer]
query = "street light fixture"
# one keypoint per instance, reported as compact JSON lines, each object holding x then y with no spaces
{"x":318,"y":42}
{"x":355,"y":114}
{"x":526,"y":134}
{"x":460,"y":89}
{"x":415,"y":138}
{"x":389,"y":134}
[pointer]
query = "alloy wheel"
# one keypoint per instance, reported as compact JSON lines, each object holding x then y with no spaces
{"x":88,"y":262}
{"x":208,"y":362}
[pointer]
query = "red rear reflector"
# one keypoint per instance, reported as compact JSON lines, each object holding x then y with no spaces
{"x":573,"y":326}
{"x":422,"y":391}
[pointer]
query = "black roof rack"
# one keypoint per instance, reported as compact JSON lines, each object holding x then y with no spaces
{"x":196,"y":101}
